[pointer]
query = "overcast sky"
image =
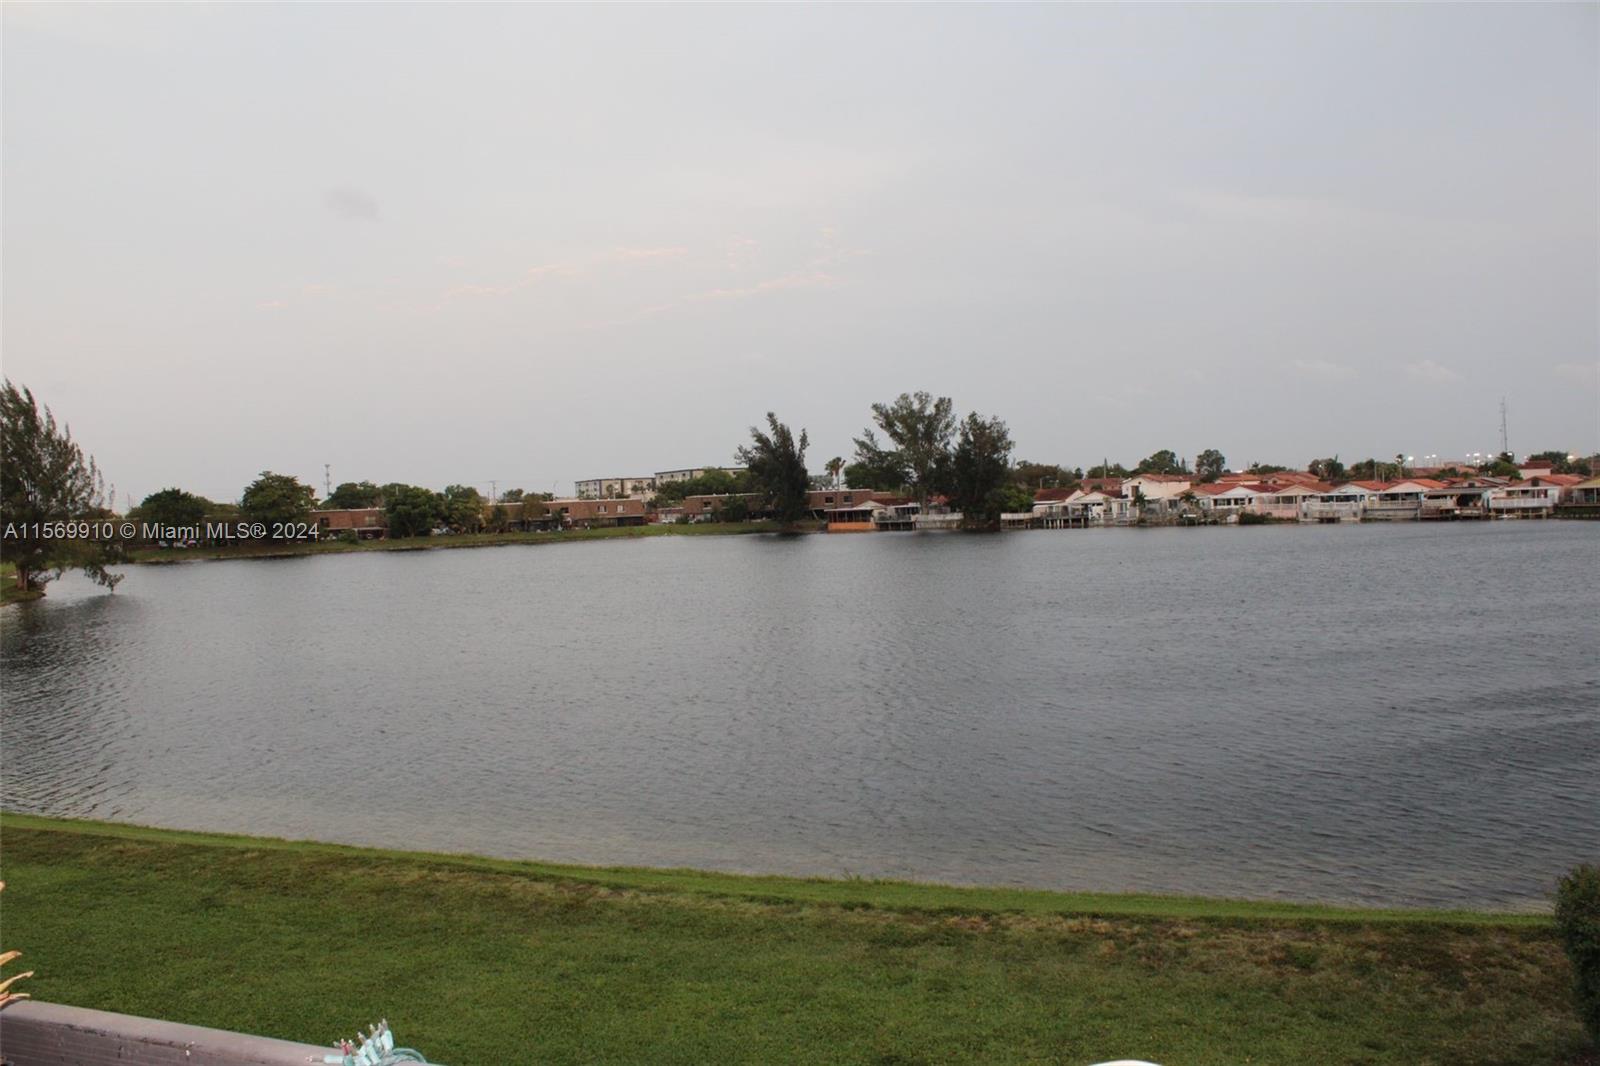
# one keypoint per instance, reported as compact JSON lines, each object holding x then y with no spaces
{"x":531,"y":244}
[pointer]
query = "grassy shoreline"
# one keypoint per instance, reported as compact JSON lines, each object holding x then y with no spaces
{"x":290,"y":549}
{"x":467,"y":955}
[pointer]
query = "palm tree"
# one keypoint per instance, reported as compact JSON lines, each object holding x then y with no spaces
{"x":835,"y":468}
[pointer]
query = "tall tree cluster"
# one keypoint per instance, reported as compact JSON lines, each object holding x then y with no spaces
{"x":926,"y":451}
{"x":776,"y":461}
{"x":46,"y":478}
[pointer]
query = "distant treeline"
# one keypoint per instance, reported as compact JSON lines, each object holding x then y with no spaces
{"x":915,"y":445}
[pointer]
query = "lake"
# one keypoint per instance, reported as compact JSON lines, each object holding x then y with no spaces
{"x":1375,"y":714}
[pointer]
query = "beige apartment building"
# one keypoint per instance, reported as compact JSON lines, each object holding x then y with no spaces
{"x":605,"y":488}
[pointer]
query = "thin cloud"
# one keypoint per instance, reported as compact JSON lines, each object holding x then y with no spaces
{"x":1430,"y":371}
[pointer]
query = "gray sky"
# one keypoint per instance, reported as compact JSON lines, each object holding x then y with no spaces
{"x":449,"y":244}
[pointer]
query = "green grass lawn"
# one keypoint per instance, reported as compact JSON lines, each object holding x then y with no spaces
{"x":471,"y":958}
{"x":9,"y":593}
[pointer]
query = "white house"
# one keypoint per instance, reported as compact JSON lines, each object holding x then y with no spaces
{"x":1534,"y":498}
{"x":1342,"y":503}
{"x":1227,"y":502}
{"x":1098,"y":508}
{"x":1162,"y":489}
{"x":1285,"y":501}
{"x":1401,"y":501}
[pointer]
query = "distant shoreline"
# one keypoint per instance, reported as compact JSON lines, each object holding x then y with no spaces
{"x":152,"y":556}
{"x":291,"y":549}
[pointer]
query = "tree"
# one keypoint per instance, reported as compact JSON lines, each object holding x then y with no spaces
{"x":920,"y":427}
{"x":1014,"y":498}
{"x":1106,"y":469}
{"x":1327,"y":469}
{"x":777,"y":464}
{"x":710,"y":483}
{"x":512,"y":496}
{"x":1210,"y":465}
{"x":979,"y":469}
{"x":172,"y":507}
{"x":1577,"y":923}
{"x":411,"y":511}
{"x":45,"y":477}
{"x":1042,"y":475}
{"x":835,"y":468}
{"x":1560,"y":462}
{"x":352,"y":495}
{"x":1265,"y":468}
{"x":462,"y":508}
{"x":276,"y":500}
{"x":734,"y":509}
{"x":1163,"y":462}
{"x":876,"y":467}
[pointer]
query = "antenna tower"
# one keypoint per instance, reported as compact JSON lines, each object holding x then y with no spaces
{"x":327,"y":480}
{"x":1505,"y":444}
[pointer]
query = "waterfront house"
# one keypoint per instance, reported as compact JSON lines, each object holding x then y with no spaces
{"x":1285,"y":500}
{"x":1159,"y":492}
{"x":366,"y":523}
{"x":859,"y":517}
{"x":1050,"y":508}
{"x":1465,"y":499}
{"x":591,"y":514}
{"x":1227,"y":502}
{"x":1400,"y":501}
{"x":1532,"y":468}
{"x":820,"y":501}
{"x":898,"y":513}
{"x":1585,"y":493}
{"x":1097,"y":508}
{"x":1346,"y":502}
{"x":1535,"y":497}
{"x":522,"y":515}
{"x":707,"y":508}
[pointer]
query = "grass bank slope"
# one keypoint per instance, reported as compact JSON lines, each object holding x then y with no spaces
{"x":485,"y":961}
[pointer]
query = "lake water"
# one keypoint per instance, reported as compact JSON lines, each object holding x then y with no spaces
{"x":1399,"y":715}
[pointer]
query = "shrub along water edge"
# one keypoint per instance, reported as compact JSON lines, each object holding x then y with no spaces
{"x":1578,"y":920}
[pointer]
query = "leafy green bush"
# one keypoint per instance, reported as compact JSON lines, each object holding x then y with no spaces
{"x":1578,"y":920}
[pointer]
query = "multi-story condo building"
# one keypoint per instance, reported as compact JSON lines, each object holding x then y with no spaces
{"x":606,"y":488}
{"x":665,"y":477}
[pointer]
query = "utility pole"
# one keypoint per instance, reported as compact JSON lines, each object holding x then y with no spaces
{"x":1505,"y":443}
{"x":493,"y":489}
